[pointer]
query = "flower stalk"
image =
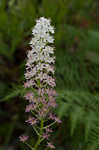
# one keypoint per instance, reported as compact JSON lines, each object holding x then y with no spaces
{"x":40,"y":77}
{"x":39,"y":138}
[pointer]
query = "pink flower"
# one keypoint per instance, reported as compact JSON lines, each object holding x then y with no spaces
{"x":29,"y":108}
{"x":45,"y":136}
{"x":52,"y":116}
{"x":51,"y":145}
{"x":52,"y":102}
{"x":58,"y":120}
{"x":31,"y":121}
{"x":51,"y":81}
{"x":43,"y":111}
{"x":23,"y":138}
{"x":41,"y":92}
{"x":51,"y":92}
{"x":29,"y":83}
{"x":48,"y":130}
{"x":29,"y":96}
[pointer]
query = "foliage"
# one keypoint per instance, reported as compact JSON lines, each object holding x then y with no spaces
{"x":82,"y":110}
{"x":77,"y":69}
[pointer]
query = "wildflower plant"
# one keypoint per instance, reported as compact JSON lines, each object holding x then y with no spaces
{"x":40,"y":78}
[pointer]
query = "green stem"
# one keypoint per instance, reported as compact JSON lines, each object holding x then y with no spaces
{"x":49,"y":125}
{"x":29,"y":146}
{"x":36,"y":131}
{"x":39,"y":138}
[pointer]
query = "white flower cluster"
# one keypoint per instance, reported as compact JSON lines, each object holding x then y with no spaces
{"x":40,"y":59}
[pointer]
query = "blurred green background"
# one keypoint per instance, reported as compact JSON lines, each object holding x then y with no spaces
{"x":77,"y":70}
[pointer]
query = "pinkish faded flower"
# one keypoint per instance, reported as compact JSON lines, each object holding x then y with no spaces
{"x":41,"y":92}
{"x":29,"y":84}
{"x":58,"y":120}
{"x":51,"y":92}
{"x":48,"y":130}
{"x":31,"y":121}
{"x":29,"y":108}
{"x":50,"y":81}
{"x":23,"y":138}
{"x":29,"y":96}
{"x":50,"y":145}
{"x":43,"y":112}
{"x":52,"y":102}
{"x":52,"y":116}
{"x":45,"y":136}
{"x":44,"y":102}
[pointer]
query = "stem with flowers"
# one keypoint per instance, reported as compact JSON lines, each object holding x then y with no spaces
{"x":39,"y":138}
{"x":40,"y":76}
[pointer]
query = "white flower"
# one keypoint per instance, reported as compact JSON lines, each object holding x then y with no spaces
{"x":40,"y":59}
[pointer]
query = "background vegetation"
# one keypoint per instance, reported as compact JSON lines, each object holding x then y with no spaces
{"x":77,"y":70}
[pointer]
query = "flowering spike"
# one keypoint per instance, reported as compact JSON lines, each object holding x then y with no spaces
{"x":40,"y":60}
{"x":40,"y":77}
